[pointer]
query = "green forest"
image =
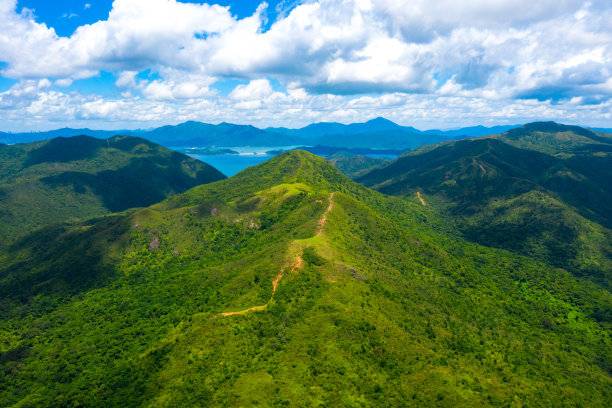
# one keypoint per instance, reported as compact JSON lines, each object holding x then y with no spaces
{"x":469,"y":273}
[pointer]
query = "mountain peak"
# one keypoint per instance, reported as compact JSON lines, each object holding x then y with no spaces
{"x":379,"y":119}
{"x":554,"y":127}
{"x":382,"y":123}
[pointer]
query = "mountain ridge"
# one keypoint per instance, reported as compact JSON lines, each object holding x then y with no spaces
{"x":79,"y":177}
{"x":232,"y":135}
{"x":376,"y":306}
{"x":534,"y":190}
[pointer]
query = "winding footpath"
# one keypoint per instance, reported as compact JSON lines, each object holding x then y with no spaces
{"x":296,"y":266}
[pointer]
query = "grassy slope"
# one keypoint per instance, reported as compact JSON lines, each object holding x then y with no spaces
{"x":382,"y":307}
{"x":65,"y":178}
{"x":550,"y":208}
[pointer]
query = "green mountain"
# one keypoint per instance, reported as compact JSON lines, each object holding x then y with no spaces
{"x":354,"y":165}
{"x":290,"y":285}
{"x":80,"y":177}
{"x":553,"y":208}
{"x":557,"y":139}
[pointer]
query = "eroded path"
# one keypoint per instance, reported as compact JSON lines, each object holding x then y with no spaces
{"x":295,"y":266}
{"x":323,"y":219}
{"x":421,"y":198}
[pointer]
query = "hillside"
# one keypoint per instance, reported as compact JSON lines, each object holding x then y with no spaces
{"x":557,"y":139}
{"x":64,"y":179}
{"x":288,"y":284}
{"x":353,"y":165}
{"x":549,"y":207}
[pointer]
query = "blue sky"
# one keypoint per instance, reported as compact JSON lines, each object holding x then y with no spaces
{"x":65,"y":16}
{"x":428,"y":64}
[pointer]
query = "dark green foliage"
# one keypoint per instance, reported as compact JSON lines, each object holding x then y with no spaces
{"x":388,"y":307}
{"x":556,"y":139}
{"x":553,"y":207}
{"x":352,"y":165}
{"x":80,"y":177}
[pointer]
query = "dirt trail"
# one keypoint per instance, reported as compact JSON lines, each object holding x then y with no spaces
{"x":484,"y":171}
{"x":294,"y":267}
{"x":421,"y":198}
{"x":323,"y":219}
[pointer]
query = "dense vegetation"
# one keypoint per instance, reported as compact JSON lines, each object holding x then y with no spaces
{"x":543,"y":190}
{"x":64,"y":179}
{"x":353,"y":165}
{"x":360,"y":299}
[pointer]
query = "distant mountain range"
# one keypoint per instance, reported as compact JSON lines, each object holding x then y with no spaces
{"x":376,"y":133}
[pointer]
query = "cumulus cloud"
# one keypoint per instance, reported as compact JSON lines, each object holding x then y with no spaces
{"x":513,"y":55}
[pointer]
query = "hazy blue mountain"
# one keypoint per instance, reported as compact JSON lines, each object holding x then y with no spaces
{"x":185,"y":134}
{"x":473,"y":131}
{"x":223,"y":134}
{"x":28,"y":137}
{"x":317,"y":130}
{"x":376,"y":133}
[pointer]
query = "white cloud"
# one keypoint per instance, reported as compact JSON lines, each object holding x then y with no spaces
{"x":256,"y":89}
{"x":506,"y":54}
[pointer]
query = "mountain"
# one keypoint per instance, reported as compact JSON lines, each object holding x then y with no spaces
{"x":398,"y":139}
{"x":353,"y":165}
{"x":223,"y":134}
{"x":382,"y":133}
{"x":185,"y":134}
{"x":316,"y":130}
{"x":375,"y":133}
{"x":603,"y":130}
{"x":551,"y":207}
{"x":61,"y":179}
{"x":288,"y":284}
{"x":28,"y":137}
{"x":557,"y":139}
{"x":473,"y":131}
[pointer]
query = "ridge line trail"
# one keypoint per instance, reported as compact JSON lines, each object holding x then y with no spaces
{"x":323,"y":219}
{"x":296,"y":266}
{"x":421,"y":198}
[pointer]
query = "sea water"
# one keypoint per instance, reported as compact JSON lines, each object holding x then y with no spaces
{"x":230,"y":164}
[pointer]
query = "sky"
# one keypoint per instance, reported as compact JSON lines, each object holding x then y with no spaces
{"x":431,"y":64}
